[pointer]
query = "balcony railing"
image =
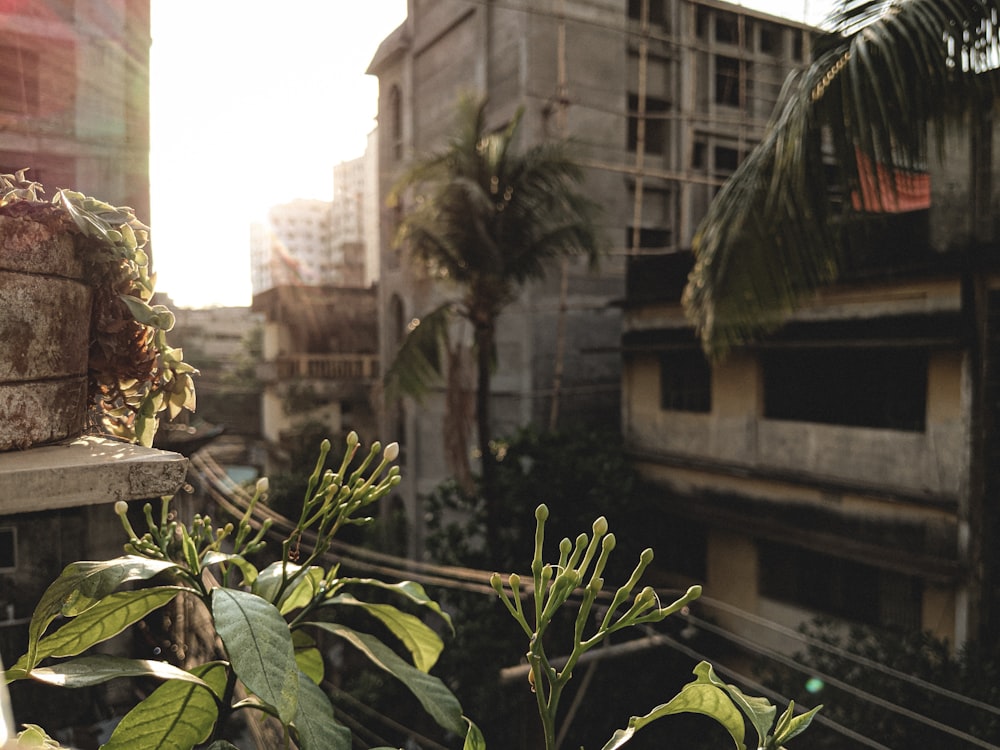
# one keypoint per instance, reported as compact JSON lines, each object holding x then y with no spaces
{"x":343,"y":367}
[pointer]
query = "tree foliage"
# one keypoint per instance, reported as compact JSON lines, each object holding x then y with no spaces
{"x":885,"y":79}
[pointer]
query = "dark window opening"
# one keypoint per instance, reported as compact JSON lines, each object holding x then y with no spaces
{"x":701,"y":22}
{"x":770,"y":39}
{"x":698,"y":155}
{"x":839,"y":587}
{"x":727,"y":81}
{"x":861,"y":387}
{"x":8,"y":548}
{"x":396,"y":126}
{"x":685,"y":381}
{"x":649,"y":237}
{"x":726,"y":159}
{"x":656,"y":124}
{"x":727,"y":28}
{"x":657,"y":11}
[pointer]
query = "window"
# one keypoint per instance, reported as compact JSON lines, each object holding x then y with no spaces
{"x":656,"y":124}
{"x":856,"y":387}
{"x":727,"y":28}
{"x":649,"y":237}
{"x":657,"y":11}
{"x":839,"y":587}
{"x":19,"y":83}
{"x":8,"y":548}
{"x":770,"y":39}
{"x":396,"y":122}
{"x":728,"y":72}
{"x":685,"y":381}
{"x":726,"y":159}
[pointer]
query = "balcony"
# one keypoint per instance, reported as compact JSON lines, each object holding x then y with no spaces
{"x":354,"y":368}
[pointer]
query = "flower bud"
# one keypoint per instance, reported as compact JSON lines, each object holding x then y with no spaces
{"x":542,"y":513}
{"x":262,"y":486}
{"x":391,"y":452}
{"x":121,"y":507}
{"x":601,"y":526}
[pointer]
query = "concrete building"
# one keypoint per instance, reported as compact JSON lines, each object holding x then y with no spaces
{"x":319,"y":362}
{"x":840,"y":467}
{"x":293,"y":247}
{"x":347,"y":220}
{"x":74,"y":99}
{"x":513,"y":56}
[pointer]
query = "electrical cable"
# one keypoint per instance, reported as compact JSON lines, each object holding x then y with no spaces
{"x":459,"y":578}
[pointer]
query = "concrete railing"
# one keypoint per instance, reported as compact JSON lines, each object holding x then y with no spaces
{"x":350,"y":367}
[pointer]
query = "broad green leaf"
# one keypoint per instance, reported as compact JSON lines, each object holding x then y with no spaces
{"x":245,"y":567}
{"x":314,"y":723}
{"x":93,"y":670}
{"x":795,"y":725}
{"x":270,"y":579}
{"x":303,"y":591}
{"x":695,"y":697}
{"x":307,"y":656}
{"x":260,"y":649}
{"x":412,"y":591}
{"x":175,"y":716}
{"x":422,"y":642}
{"x":104,"y":620}
{"x":80,"y":586}
{"x":759,"y":710}
{"x":436,"y":699}
{"x":474,"y":739}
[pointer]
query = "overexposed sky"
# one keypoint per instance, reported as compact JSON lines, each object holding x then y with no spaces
{"x":252,"y":104}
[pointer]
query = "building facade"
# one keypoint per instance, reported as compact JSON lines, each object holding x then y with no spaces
{"x":572,"y":73}
{"x":844,"y":466}
{"x":74,"y":100}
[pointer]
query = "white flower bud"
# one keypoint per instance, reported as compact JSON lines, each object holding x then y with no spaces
{"x":391,"y":452}
{"x":262,"y":485}
{"x":121,"y":507}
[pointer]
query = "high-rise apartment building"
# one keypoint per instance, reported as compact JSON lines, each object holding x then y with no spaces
{"x":661,"y":113}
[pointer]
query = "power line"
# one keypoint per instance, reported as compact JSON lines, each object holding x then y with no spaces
{"x":230,"y":495}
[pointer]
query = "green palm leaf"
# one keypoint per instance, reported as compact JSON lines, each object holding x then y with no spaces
{"x":887,"y":75}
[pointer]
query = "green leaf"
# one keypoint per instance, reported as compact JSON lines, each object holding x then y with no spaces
{"x":245,"y":567}
{"x":94,"y":670}
{"x":260,"y":648}
{"x":307,"y":656}
{"x":412,"y":591}
{"x":422,"y":642}
{"x":760,"y":712}
{"x":474,"y":739}
{"x":175,"y":716}
{"x":303,"y":591}
{"x":80,"y":586}
{"x":106,"y":619}
{"x":436,"y":699}
{"x":695,"y":697}
{"x":314,"y":723}
{"x":794,"y":726}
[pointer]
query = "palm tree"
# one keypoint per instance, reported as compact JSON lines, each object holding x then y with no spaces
{"x":884,"y":75}
{"x":485,"y":220}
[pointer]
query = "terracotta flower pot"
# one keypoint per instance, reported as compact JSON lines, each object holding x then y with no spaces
{"x":44,"y":332}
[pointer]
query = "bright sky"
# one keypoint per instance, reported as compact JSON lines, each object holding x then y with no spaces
{"x":253,"y":102}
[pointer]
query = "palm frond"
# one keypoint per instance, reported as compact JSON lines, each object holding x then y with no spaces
{"x":417,"y":366}
{"x":886,"y":73}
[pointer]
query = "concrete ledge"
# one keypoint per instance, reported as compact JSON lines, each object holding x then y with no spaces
{"x":86,"y":471}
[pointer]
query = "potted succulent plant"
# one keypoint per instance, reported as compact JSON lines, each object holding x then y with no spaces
{"x":84,"y":348}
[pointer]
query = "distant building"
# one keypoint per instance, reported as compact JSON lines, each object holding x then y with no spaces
{"x":656,"y":138}
{"x":320,"y":362}
{"x":293,"y":247}
{"x":347,"y":221}
{"x":74,"y":97}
